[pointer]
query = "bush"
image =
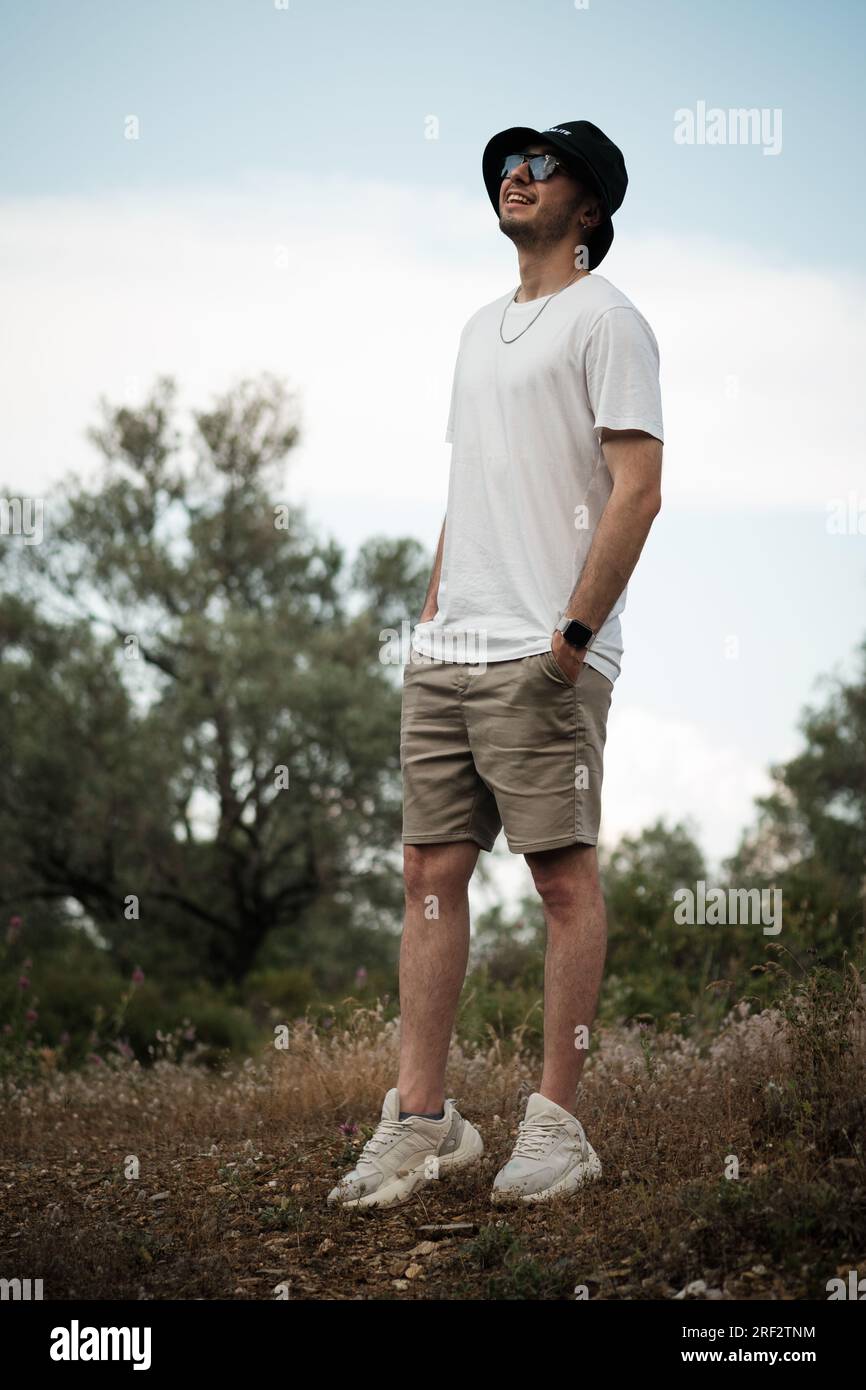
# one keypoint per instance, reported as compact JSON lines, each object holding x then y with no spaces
{"x":67,"y":1005}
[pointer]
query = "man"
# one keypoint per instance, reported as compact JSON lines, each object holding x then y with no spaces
{"x":556,"y":425}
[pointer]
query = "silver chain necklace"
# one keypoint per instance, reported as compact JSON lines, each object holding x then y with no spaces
{"x":513,"y":300}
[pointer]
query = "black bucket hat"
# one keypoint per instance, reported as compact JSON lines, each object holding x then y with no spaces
{"x":587,"y":152}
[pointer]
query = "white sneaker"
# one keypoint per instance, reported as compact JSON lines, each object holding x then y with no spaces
{"x":552,"y":1155}
{"x":404,"y":1154}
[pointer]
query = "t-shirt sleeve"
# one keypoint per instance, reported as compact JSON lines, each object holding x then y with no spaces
{"x":622,"y":373}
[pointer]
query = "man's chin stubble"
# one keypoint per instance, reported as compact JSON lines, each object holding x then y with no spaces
{"x":535,"y":236}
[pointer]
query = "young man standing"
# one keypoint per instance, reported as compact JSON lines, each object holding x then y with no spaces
{"x":556,"y":426}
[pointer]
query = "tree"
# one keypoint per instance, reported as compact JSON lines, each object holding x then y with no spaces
{"x":196,"y":714}
{"x":810,"y":833}
{"x":655,"y":966}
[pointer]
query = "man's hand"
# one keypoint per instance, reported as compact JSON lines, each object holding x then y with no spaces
{"x":568,"y":658}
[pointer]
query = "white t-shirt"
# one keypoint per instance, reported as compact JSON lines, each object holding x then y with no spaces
{"x":528,"y":479}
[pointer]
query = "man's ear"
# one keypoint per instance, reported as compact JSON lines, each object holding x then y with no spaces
{"x":592,"y":215}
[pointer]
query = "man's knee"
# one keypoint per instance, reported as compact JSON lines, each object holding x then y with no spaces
{"x":438,"y":870}
{"x":564,"y":876}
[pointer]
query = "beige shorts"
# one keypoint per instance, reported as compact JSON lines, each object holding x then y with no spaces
{"x":513,"y":745}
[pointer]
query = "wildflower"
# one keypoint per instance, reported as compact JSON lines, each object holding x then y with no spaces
{"x":31,"y":1015}
{"x":23,"y":982}
{"x":360,"y":977}
{"x":94,"y":1057}
{"x":13,"y":930}
{"x":348,"y":1127}
{"x":138,"y":976}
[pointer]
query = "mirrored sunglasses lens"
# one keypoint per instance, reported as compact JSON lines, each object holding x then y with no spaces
{"x":539,"y":166}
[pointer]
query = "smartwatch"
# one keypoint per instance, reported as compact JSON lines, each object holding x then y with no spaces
{"x":576,"y":633}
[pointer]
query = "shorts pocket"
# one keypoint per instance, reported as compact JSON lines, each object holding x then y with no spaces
{"x":555,"y":671}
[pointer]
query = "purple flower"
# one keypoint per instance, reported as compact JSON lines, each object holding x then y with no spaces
{"x":348,"y":1127}
{"x":31,"y":1015}
{"x":360,"y":977}
{"x":23,"y":982}
{"x":327,"y":1022}
{"x":13,"y":930}
{"x":138,"y":976}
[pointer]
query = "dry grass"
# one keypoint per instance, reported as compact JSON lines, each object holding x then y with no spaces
{"x":234,"y":1168}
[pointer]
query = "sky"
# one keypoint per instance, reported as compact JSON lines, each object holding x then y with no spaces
{"x":303,"y":196}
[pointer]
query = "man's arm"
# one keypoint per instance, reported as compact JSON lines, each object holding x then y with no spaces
{"x":431,"y":602}
{"x":634,"y":460}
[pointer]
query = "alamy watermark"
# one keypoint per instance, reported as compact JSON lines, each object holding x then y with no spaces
{"x":77,"y":1343}
{"x":20,"y":1290}
{"x":22,"y":516}
{"x":846,"y":516}
{"x":737,"y":126}
{"x":396,"y":647}
{"x":712,"y":907}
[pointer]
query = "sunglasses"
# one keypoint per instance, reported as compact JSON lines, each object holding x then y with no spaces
{"x":541,"y":166}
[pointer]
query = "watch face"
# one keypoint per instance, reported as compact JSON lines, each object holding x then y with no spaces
{"x":577,"y":634}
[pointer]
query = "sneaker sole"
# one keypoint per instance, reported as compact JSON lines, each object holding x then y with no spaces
{"x":404,"y":1184}
{"x":586,"y":1171}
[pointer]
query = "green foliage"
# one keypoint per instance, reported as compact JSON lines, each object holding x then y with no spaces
{"x":509,"y":1270}
{"x":285,"y":992}
{"x":810,"y":833}
{"x":285,"y":1215}
{"x":823,"y":1106}
{"x":657,"y":968}
{"x":194,"y":705}
{"x":781,"y":1221}
{"x":496,"y":1011}
{"x":68,"y":1005}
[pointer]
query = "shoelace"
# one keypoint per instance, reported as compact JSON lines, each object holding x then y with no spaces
{"x":535,"y":1138}
{"x":385,"y":1130}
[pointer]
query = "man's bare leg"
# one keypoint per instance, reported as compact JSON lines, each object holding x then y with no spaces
{"x":434,"y":952}
{"x":568,"y":882}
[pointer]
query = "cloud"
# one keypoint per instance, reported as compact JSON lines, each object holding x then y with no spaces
{"x":670,"y":768}
{"x":760,"y":372}
{"x":356,"y":292}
